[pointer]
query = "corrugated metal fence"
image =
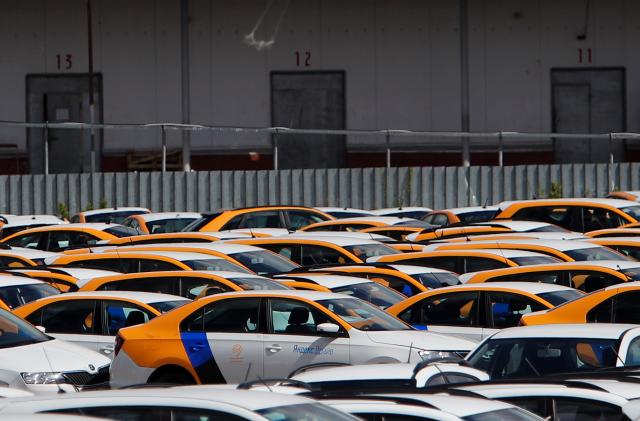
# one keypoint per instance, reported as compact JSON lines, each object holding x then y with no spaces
{"x":436,"y":187}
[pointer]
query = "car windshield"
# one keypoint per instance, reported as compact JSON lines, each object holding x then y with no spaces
{"x":372,"y":292}
{"x":264,"y":262}
{"x":254,"y":284}
{"x":549,"y":228}
{"x":117,"y":217}
{"x":535,"y":357}
{"x":633,"y":274}
{"x":479,"y":216}
{"x":346,"y":214}
{"x":214,"y":264}
{"x":165,"y":306}
{"x":121,"y":231}
{"x":632,"y":211}
{"x":364,"y":251}
{"x":363,"y":315}
{"x":507,"y":414}
{"x":534,"y":260}
{"x":595,"y":253}
{"x":168,"y":225}
{"x":559,"y":297}
{"x":305,"y":412}
{"x":436,"y":280}
{"x":17,"y":332}
{"x":16,"y":295}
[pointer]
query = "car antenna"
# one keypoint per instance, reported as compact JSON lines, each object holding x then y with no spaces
{"x":44,"y":351}
{"x":410,"y":349}
{"x":444,"y":375}
{"x":265,"y":383}
{"x":617,"y":355}
{"x":501,"y":252}
{"x":486,"y":203}
{"x":251,"y":233}
{"x":246,"y":376}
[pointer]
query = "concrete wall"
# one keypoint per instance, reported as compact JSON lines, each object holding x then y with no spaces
{"x":401,"y":60}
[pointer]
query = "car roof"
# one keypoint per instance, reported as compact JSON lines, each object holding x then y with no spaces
{"x":415,"y":270}
{"x":519,"y":389}
{"x":517,"y":226}
{"x":159,"y":216}
{"x":628,"y":239}
{"x":177,"y":255}
{"x":84,"y":273}
{"x":561,"y":245}
{"x":336,"y":238}
{"x":114,"y":210}
{"x":358,"y":372}
{"x":461,"y":406}
{"x":24,"y":220}
{"x":583,"y":330}
{"x":100,"y":226}
{"x":248,"y":399}
{"x":389,"y":220}
{"x":530,"y":287}
{"x":28,"y":253}
{"x":308,"y":295}
{"x":506,"y":253}
{"x":331,"y":281}
{"x":338,"y":209}
{"x":143,"y":297}
{"x":222,"y":247}
{"x":383,"y":211}
{"x":468,"y":209}
{"x":355,"y":235}
{"x":616,"y":203}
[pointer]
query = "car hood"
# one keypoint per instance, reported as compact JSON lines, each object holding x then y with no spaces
{"x":421,"y":340}
{"x":54,"y":355}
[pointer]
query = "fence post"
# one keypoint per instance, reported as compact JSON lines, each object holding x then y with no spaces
{"x":275,"y":150}
{"x":500,"y":150}
{"x":611,"y":186}
{"x":388,"y":141}
{"x":46,"y":147}
{"x":164,"y":148}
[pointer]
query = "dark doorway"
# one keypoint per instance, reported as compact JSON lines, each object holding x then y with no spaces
{"x":309,"y":100}
{"x":587,"y":101}
{"x":58,"y":99}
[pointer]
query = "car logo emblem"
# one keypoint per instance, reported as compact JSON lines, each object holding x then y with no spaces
{"x":91,"y":367}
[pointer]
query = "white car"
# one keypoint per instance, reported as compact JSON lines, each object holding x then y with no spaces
{"x":389,"y":376}
{"x":33,"y":361}
{"x":161,"y":222}
{"x":534,"y":351}
{"x":370,"y":291}
{"x":573,"y":400}
{"x":449,"y":407}
{"x":16,"y":257}
{"x":108,"y":215}
{"x":340,"y":213}
{"x":243,"y":336}
{"x":415,"y":212}
{"x":180,"y":403}
{"x":16,"y":223}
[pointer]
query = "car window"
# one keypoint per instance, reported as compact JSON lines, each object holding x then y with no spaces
{"x":454,"y":309}
{"x":599,"y":218}
{"x":382,"y":416}
{"x":284,"y":250}
{"x":569,"y":217}
{"x":61,"y":240}
{"x":440,"y":219}
{"x":300,"y":218}
{"x":590,"y":281}
{"x":626,"y":308}
{"x":633,"y":353}
{"x":295,"y":317}
{"x":116,"y":265}
{"x":446,"y":263}
{"x":505,"y":309}
{"x":239,"y":315}
{"x":629,"y":251}
{"x":264,"y":262}
{"x":320,"y":255}
{"x":477,"y":264}
{"x":575,"y":409}
{"x":16,"y":295}
{"x":30,"y":241}
{"x":193,"y":287}
{"x":150,"y":413}
{"x":164,"y":285}
{"x":401,"y":285}
{"x":154,"y":265}
{"x":262,"y":219}
{"x":12,"y":262}
{"x":119,"y":314}
{"x":602,"y":313}
{"x":546,"y":277}
{"x":479,"y":216}
{"x":67,"y":316}
{"x":540,"y":406}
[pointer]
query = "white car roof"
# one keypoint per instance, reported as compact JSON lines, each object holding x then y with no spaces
{"x":415,"y":270}
{"x":26,"y":220}
{"x":338,"y":209}
{"x":469,"y":209}
{"x":114,"y":210}
{"x":343,"y":234}
{"x":225,"y":248}
{"x":253,"y":232}
{"x":160,"y":216}
{"x":461,"y":406}
{"x":10,"y":280}
{"x":378,"y":406}
{"x":309,"y":295}
{"x":561,"y":245}
{"x":530,"y":287}
{"x":334,"y":238}
{"x":143,"y":297}
{"x":85,"y":273}
{"x":247,"y":399}
{"x":177,"y":255}
{"x":518,"y":226}
{"x":391,"y":211}
{"x":229,"y":275}
{"x":100,"y":226}
{"x":388,"y":220}
{"x":583,"y":330}
{"x":506,"y":253}
{"x":616,"y":203}
{"x":331,"y":281}
{"x":29,"y":253}
{"x":507,"y":390}
{"x":620,"y":387}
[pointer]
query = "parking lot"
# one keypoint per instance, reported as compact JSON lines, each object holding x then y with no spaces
{"x":521,"y":310}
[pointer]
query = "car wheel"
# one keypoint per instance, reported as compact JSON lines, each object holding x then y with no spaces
{"x":171,"y":375}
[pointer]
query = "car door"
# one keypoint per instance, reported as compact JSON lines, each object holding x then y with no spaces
{"x":454,"y":313}
{"x":320,"y":255}
{"x":505,"y":309}
{"x":115,"y":315}
{"x":292,"y":340}
{"x":297,"y":219}
{"x":629,"y":350}
{"x":71,"y":320}
{"x":223,"y":340}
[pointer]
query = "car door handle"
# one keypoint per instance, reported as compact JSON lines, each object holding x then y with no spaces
{"x":107,"y":349}
{"x":274,"y":348}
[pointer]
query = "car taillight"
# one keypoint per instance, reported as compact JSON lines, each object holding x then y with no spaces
{"x":118,"y":345}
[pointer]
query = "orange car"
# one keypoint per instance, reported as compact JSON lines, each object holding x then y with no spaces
{"x":631,"y":195}
{"x":288,"y":217}
{"x":463,"y":261}
{"x":580,"y":215}
{"x":109,"y":215}
{"x":615,"y":232}
{"x":162,"y":222}
{"x":628,"y":246}
{"x":614,"y":304}
{"x":188,"y":284}
{"x":466,"y":215}
{"x":585,"y":276}
{"x":61,"y":237}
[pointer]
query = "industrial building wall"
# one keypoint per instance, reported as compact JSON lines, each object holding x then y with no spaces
{"x":400,"y":58}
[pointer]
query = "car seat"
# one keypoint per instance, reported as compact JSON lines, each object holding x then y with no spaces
{"x":297,"y":321}
{"x":135,"y":317}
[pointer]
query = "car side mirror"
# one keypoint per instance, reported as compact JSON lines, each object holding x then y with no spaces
{"x":41,"y":329}
{"x":328,"y":328}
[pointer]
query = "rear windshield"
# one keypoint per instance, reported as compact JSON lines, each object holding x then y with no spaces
{"x":249,"y":284}
{"x":436,"y":280}
{"x":17,"y":295}
{"x":595,"y":253}
{"x":376,"y":294}
{"x":632,"y":211}
{"x":264,"y":262}
{"x":534,"y":260}
{"x":507,"y":414}
{"x":364,"y":251}
{"x":479,"y":216}
{"x":549,"y":228}
{"x":165,"y":306}
{"x":559,"y":297}
{"x":116,"y":217}
{"x":17,"y":332}
{"x":169,"y":225}
{"x":121,"y":231}
{"x":214,"y":264}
